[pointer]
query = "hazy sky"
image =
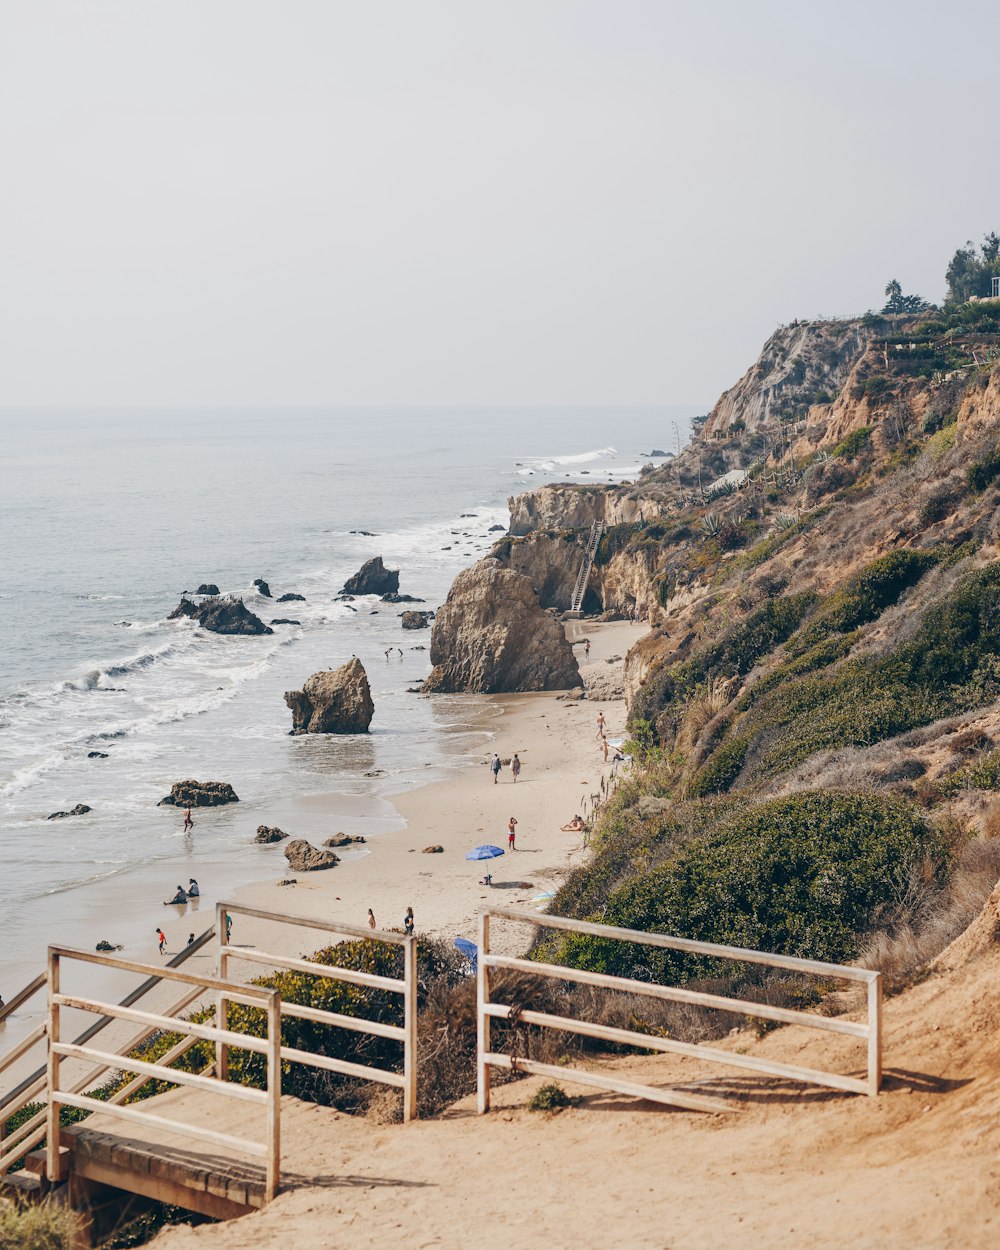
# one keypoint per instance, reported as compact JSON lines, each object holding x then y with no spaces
{"x":469,"y":201}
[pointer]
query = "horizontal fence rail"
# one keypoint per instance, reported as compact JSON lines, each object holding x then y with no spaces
{"x":870,"y":1032}
{"x":209,"y":1082}
{"x":406,"y":986}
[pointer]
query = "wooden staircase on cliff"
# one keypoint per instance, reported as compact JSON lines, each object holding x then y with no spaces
{"x":583,"y":578}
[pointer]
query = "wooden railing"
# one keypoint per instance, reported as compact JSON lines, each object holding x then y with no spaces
{"x":266,"y":1000}
{"x":406,"y":986}
{"x":33,"y":1088}
{"x":870,"y":1032}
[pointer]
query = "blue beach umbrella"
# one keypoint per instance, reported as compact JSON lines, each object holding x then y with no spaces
{"x":470,"y":950}
{"x":484,"y":852}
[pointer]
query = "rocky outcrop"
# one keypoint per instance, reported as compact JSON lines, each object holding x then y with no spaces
{"x":336,"y":701}
{"x":373,"y":578}
{"x":207,"y":588}
{"x":393,"y":597}
{"x":417,"y":620}
{"x":262,"y":587}
{"x":291,"y":597}
{"x":302,"y":856}
{"x":222,"y":616}
{"x":343,"y":839}
{"x":81,"y":809}
{"x":284,"y":620}
{"x":492,"y":635}
{"x":268,"y":834}
{"x":563,"y":506}
{"x":199,"y":794}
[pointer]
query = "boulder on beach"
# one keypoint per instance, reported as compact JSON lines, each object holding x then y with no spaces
{"x":291,"y":597}
{"x":222,"y":616}
{"x":416,"y":620}
{"x":262,"y":587}
{"x":336,"y":701}
{"x":493,"y":636}
{"x":302,"y":856}
{"x":267,"y":834}
{"x":343,"y":839}
{"x":81,"y":809}
{"x":373,"y":578}
{"x":199,"y":794}
{"x":207,"y":588}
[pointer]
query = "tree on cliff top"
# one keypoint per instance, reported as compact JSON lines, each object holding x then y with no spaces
{"x":970,"y":272}
{"x":897,"y":302}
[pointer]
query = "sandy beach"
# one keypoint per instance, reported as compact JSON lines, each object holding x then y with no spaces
{"x":562,"y":765}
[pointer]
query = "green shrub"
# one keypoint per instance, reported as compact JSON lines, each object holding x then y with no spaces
{"x":981,"y":774}
{"x":722,"y":769}
{"x":550,"y":1097}
{"x":984,"y":472}
{"x":804,"y":875}
{"x":856,"y":443}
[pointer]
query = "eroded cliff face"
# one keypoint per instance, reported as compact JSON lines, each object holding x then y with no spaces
{"x":565,"y":505}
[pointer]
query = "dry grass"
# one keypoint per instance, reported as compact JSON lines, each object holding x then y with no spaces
{"x":700,"y":710}
{"x":41,"y":1226}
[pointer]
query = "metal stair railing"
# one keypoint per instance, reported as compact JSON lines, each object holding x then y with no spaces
{"x":583,"y":578}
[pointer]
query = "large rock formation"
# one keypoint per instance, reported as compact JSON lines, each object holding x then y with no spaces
{"x":302,"y":856}
{"x":262,"y":587}
{"x":416,"y":620}
{"x":337,"y":701}
{"x":373,"y":578}
{"x":222,"y":616}
{"x":199,"y":794}
{"x":492,"y":635}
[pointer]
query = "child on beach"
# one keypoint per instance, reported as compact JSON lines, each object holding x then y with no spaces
{"x":515,"y":766}
{"x":511,"y":833}
{"x":162,"y":939}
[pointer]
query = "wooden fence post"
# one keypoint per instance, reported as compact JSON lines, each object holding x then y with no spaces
{"x":221,"y":1002}
{"x":273,"y":1095}
{"x":52,"y":1162}
{"x":482,"y":1019}
{"x":875,"y":1035}
{"x":410,"y":1028}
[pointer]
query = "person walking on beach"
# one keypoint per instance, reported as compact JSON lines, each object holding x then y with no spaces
{"x":586,"y":648}
{"x":604,"y":747}
{"x":371,"y":919}
{"x":511,"y":834}
{"x":515,"y":767}
{"x":495,"y":767}
{"x":161,"y":937}
{"x":188,"y":822}
{"x":600,"y":725}
{"x":408,"y":922}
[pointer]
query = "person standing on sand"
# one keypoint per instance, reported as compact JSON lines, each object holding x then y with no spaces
{"x":586,"y":648}
{"x":511,"y":833}
{"x":371,"y":919}
{"x":495,"y":767}
{"x":408,"y":922}
{"x":188,"y":822}
{"x":162,"y":939}
{"x":515,"y":766}
{"x":600,"y":725}
{"x":604,"y":747}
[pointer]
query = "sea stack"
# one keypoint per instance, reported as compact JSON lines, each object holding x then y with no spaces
{"x":336,"y":701}
{"x":493,"y":636}
{"x":373,"y":578}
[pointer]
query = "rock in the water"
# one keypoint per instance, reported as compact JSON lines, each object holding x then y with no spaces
{"x":97,"y":755}
{"x":222,"y":616}
{"x":81,"y":809}
{"x":492,"y":635}
{"x":291,"y":597}
{"x":342,"y":839}
{"x":262,"y":587}
{"x":302,"y":856}
{"x":494,"y":529}
{"x":393,"y":597}
{"x":267,"y":834}
{"x":199,"y":794}
{"x":337,"y":701}
{"x":416,"y":620}
{"x":284,"y":620}
{"x":373,"y":578}
{"x":433,"y":850}
{"x":207,"y":588}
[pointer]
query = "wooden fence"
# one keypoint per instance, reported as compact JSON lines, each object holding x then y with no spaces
{"x":208,"y":1081}
{"x":870,"y":1032}
{"x":406,"y":986}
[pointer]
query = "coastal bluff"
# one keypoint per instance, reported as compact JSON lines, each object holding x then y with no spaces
{"x":492,"y":636}
{"x":335,"y":701}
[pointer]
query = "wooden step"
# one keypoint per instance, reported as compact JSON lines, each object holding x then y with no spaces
{"x":36,"y":1161}
{"x":26,"y":1185}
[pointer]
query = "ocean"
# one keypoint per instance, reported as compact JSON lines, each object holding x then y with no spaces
{"x":107,"y":517}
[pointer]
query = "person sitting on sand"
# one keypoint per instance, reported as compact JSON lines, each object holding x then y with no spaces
{"x":574,"y":826}
{"x":193,"y":891}
{"x":179,"y":897}
{"x":487,"y":880}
